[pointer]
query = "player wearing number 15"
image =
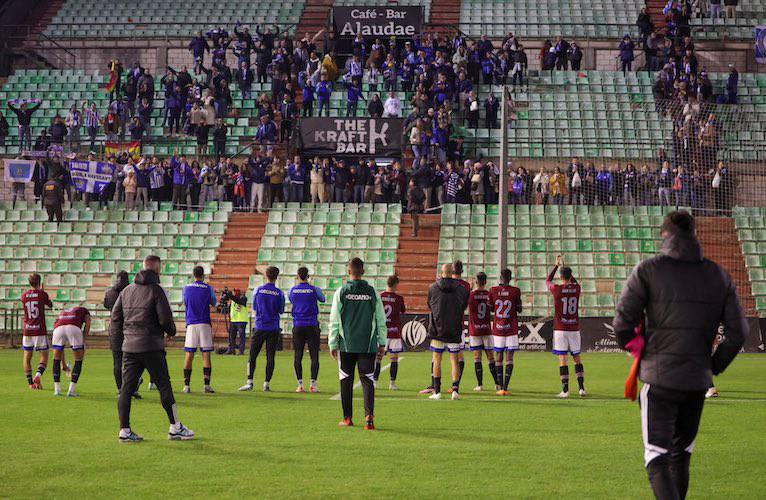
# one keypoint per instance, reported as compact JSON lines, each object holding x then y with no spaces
{"x":506,"y":301}
{"x":566,"y":325}
{"x":34,"y":302}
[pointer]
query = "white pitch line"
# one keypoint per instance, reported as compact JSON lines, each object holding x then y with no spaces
{"x":359,"y":384}
{"x":526,"y":399}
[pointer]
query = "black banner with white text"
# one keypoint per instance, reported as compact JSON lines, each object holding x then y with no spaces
{"x":352,"y":136}
{"x":378,"y":22}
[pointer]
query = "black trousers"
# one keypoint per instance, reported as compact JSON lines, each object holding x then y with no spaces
{"x":366,"y":366}
{"x":54,"y":212}
{"x":271,"y":339}
{"x":117,"y":368}
{"x":302,"y":336}
{"x":669,"y":420}
{"x":133,"y":365}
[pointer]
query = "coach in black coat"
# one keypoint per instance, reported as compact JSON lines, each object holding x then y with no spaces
{"x":683,"y":298}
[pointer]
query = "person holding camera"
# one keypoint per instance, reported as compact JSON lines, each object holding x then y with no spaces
{"x":239,"y":317}
{"x":305,"y":299}
{"x":198,"y":298}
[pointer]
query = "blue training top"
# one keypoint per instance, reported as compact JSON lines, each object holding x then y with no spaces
{"x":198,"y":297}
{"x":268,"y":304}
{"x":305,"y":297}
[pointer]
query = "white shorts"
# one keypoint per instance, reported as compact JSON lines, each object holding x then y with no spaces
{"x":439,"y":346}
{"x":394,"y":346}
{"x":35,"y":343}
{"x":509,"y":343}
{"x":566,"y":342}
{"x":199,"y":337}
{"x":67,"y":334}
{"x":483,"y":342}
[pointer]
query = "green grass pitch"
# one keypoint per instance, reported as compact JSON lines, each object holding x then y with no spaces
{"x":283,"y":445}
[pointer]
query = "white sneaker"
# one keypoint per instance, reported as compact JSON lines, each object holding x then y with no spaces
{"x":209,"y":390}
{"x":246,"y":387}
{"x":58,"y":393}
{"x":72,"y":394}
{"x":186,"y":389}
{"x":436,"y":395}
{"x":478,"y":388}
{"x":455,"y":396}
{"x":130,"y":437}
{"x":563,"y":395}
{"x":711,"y":393}
{"x":266,"y":387}
{"x":583,"y":393}
{"x":392,"y":386}
{"x":181,"y":433}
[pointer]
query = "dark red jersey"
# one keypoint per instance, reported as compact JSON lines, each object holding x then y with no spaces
{"x":506,"y":304}
{"x":464,"y":284}
{"x":75,"y":316}
{"x":566,"y":304}
{"x":479,"y":313}
{"x":34,"y":303}
{"x":393,"y":305}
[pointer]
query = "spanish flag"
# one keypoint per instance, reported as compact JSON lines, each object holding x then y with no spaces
{"x":116,"y":148}
{"x":112,"y":78}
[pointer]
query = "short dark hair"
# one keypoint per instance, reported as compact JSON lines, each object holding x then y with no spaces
{"x":481,"y":279}
{"x":35,"y":280}
{"x":199,"y":272}
{"x":152,"y":258}
{"x":303,"y":273}
{"x":457,"y":267}
{"x":272,"y":273}
{"x":506,"y":275}
{"x":566,"y":273}
{"x":356,"y":266}
{"x":392,"y":280}
{"x":679,"y":222}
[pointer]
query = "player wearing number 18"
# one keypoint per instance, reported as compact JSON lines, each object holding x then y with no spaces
{"x":506,"y":302}
{"x":566,"y":325}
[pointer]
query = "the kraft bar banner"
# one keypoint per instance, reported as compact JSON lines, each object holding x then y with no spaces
{"x":535,"y":334}
{"x":352,"y":136}
{"x":378,"y":22}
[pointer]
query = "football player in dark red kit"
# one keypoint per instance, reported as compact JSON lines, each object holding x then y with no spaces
{"x":70,"y":328}
{"x":566,"y":324}
{"x":480,"y":330}
{"x":506,"y":305}
{"x":34,"y":301}
{"x":393,"y":306}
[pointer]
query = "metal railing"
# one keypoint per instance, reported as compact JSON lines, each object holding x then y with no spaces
{"x":18,"y":39}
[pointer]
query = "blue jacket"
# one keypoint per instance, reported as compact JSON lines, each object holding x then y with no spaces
{"x":296,"y":173}
{"x":604,"y":181}
{"x":258,"y":167}
{"x":353,"y":93}
{"x":324,"y":90}
{"x":142,"y":178}
{"x":180,"y":171}
{"x":268,"y":304}
{"x":305,"y":299}
{"x":198,"y":297}
{"x":308,"y":94}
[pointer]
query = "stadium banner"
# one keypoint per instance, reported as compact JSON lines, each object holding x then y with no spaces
{"x":115,"y":148}
{"x":378,"y":22}
{"x":90,"y":176}
{"x":53,"y":151}
{"x":536,"y":334}
{"x":760,"y":44}
{"x":352,"y":136}
{"x":19,"y":170}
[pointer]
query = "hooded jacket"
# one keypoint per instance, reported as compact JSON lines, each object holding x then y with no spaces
{"x":110,"y":298}
{"x":683,"y":297}
{"x":142,"y":315}
{"x":447,"y":300}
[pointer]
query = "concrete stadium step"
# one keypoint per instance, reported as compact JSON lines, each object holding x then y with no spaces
{"x":238,"y":253}
{"x":444,"y":14}
{"x":416,"y":260}
{"x":314,"y":17}
{"x":720,"y":244}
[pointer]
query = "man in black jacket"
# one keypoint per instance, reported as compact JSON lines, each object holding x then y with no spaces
{"x":142,"y":316}
{"x":447,"y":300}
{"x":683,"y":298}
{"x":115,"y":341}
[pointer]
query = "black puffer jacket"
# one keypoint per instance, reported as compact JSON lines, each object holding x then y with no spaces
{"x":447,"y":300}
{"x":143,"y":315}
{"x":684,"y":297}
{"x":110,"y":298}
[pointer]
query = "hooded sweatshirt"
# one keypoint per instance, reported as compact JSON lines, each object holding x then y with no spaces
{"x":447,"y":301}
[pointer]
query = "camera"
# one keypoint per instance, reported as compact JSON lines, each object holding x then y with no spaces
{"x":224,"y":302}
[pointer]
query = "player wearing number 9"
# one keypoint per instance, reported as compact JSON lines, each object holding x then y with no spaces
{"x":566,"y":324}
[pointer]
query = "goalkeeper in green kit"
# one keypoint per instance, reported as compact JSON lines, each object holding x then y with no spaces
{"x":357,"y":334}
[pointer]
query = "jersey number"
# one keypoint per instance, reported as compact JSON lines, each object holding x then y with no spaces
{"x":481,"y":310}
{"x":388,"y":310}
{"x":569,"y":305}
{"x":33,"y":310}
{"x":503,"y":309}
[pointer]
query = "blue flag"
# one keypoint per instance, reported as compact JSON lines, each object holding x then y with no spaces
{"x":760,"y":44}
{"x":19,"y":170}
{"x":90,"y":176}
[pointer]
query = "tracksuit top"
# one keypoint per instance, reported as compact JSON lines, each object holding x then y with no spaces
{"x":357,"y":319}
{"x":305,"y":299}
{"x":268,"y":304}
{"x":198,"y":297}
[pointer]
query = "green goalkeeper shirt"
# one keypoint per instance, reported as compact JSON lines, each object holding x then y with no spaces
{"x":357,"y":319}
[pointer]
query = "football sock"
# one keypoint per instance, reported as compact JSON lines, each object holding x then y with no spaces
{"x":479,"y":372}
{"x":394,"y":369}
{"x":508,"y":373}
{"x":376,"y":374}
{"x":461,"y":366}
{"x":455,"y":386}
{"x":29,"y":378}
{"x":437,"y":385}
{"x":40,"y":370}
{"x":56,"y":370}
{"x":187,"y":376}
{"x":493,"y":371}
{"x":76,"y":371}
{"x":432,"y":375}
{"x":300,"y":382}
{"x":564,"y":373}
{"x":206,"y":374}
{"x":580,"y":372}
{"x":499,"y":374}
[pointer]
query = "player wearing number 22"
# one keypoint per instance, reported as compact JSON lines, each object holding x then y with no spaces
{"x":506,"y":301}
{"x":566,"y":325}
